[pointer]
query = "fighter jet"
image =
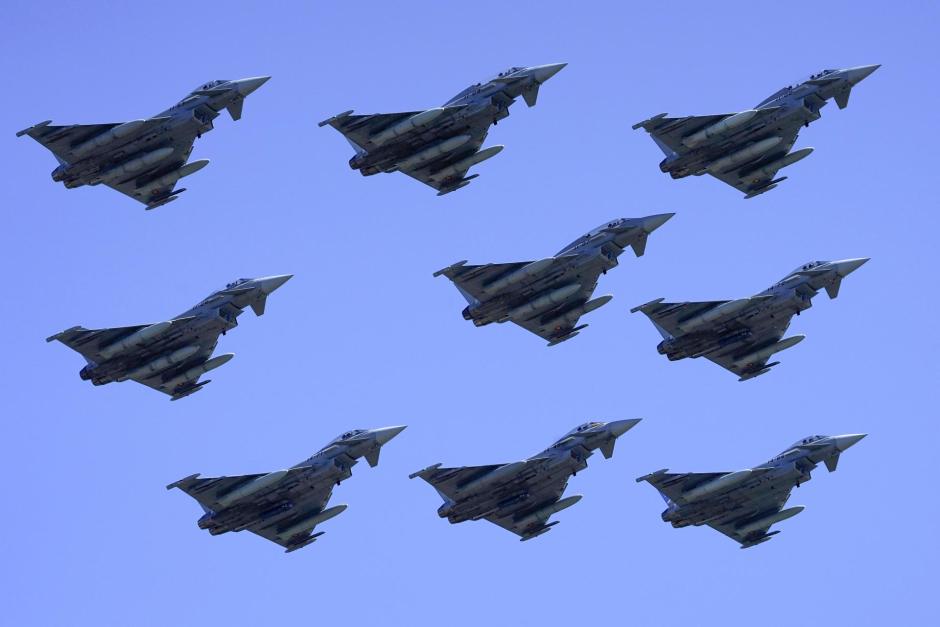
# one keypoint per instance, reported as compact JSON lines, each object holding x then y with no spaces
{"x":549,"y":296}
{"x":142,"y":158}
{"x":285,"y":506}
{"x":744,"y":504}
{"x":520,"y":497}
{"x":741,"y":335}
{"x":439,"y":146}
{"x":169,"y":356}
{"x":748,"y":148}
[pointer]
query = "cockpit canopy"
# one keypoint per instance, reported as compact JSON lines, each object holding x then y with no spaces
{"x":806,"y":266}
{"x":477,"y":86}
{"x":788,"y":89}
{"x":587,"y":237}
{"x":210,"y":85}
{"x":807,"y":440}
{"x":347,"y":435}
{"x":236,"y":283}
{"x":584,"y":427}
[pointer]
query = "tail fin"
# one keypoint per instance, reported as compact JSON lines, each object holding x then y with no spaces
{"x":669,"y":152}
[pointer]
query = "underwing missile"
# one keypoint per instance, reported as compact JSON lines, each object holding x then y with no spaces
{"x":255,"y":485}
{"x":719,"y":128}
{"x":406,"y":126}
{"x":544,"y":302}
{"x":769,"y":350}
{"x":128,"y":168}
{"x":717,"y":485}
{"x":441,"y":148}
{"x":197,"y":371}
{"x":761,"y":523}
{"x":103,"y":139}
{"x":519,"y":275}
{"x":135,"y":339}
{"x":543,"y":514}
{"x":313,"y":521}
{"x":744,"y":155}
{"x":491,"y":478}
{"x":161,"y":363}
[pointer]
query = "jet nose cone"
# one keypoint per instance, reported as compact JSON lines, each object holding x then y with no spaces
{"x":270,"y":283}
{"x":247,"y":85}
{"x":846,"y":267}
{"x":845,"y":441}
{"x":858,"y":74}
{"x":385,"y":434}
{"x":619,"y":427}
{"x":651,"y":223}
{"x":542,"y":73}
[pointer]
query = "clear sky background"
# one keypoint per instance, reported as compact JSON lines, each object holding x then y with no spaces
{"x":363,"y":336}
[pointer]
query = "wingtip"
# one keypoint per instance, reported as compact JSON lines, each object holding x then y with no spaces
{"x":338,"y":116}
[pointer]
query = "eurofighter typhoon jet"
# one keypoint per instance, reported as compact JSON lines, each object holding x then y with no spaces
{"x":169,"y":356}
{"x":439,"y":146}
{"x":285,"y":506}
{"x":741,"y":335}
{"x":549,"y":296}
{"x":744,"y":504}
{"x":520,"y":497}
{"x":142,"y":158}
{"x":747,"y":149}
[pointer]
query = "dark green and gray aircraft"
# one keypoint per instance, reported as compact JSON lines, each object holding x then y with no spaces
{"x":285,"y":506}
{"x":521,"y":496}
{"x":741,"y":335}
{"x":748,"y":148}
{"x":745,"y":503}
{"x":549,"y":296}
{"x":142,"y":158}
{"x":169,"y":356}
{"x":439,"y":146}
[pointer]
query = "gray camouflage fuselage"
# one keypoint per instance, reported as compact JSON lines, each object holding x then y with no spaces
{"x":747,"y":336}
{"x":521,"y":496}
{"x":549,"y":296}
{"x":140,"y":157}
{"x":744,"y":504}
{"x":285,"y":506}
{"x":747,"y":149}
{"x":175,"y":347}
{"x":438,"y":146}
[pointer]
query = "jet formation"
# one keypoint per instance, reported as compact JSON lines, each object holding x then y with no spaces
{"x":521,"y":496}
{"x":549,"y":296}
{"x":748,"y":148}
{"x":169,"y":356}
{"x":145,"y":158}
{"x":744,"y":504}
{"x":741,"y":335}
{"x":439,"y":146}
{"x":285,"y":506}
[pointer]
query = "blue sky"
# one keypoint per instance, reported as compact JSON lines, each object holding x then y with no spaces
{"x":363,"y":336}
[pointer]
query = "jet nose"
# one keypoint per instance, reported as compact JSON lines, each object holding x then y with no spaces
{"x":270,"y":283}
{"x":542,"y":73}
{"x":845,"y":267}
{"x":857,"y":74}
{"x":247,"y":85}
{"x":651,"y":223}
{"x":619,"y":427}
{"x":385,"y":434}
{"x":845,"y":441}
